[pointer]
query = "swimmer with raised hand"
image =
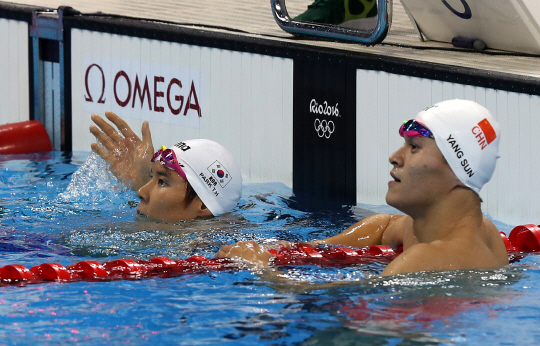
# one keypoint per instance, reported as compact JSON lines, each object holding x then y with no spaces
{"x":194,"y":178}
{"x":450,"y":152}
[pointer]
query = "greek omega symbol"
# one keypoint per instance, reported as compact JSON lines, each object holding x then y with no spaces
{"x":467,"y":14}
{"x":324,"y":128}
{"x":89,"y":97}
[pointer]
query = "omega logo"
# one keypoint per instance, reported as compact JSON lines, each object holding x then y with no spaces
{"x":324,"y":128}
{"x":89,"y":97}
{"x":467,"y":14}
{"x":140,"y":91}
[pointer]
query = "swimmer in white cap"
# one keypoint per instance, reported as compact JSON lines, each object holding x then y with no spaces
{"x":194,"y":178}
{"x":450,"y":152}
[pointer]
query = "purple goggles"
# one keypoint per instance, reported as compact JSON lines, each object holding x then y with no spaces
{"x":167,"y":158}
{"x":414,"y":128}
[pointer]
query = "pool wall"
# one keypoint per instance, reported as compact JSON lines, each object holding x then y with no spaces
{"x":14,"y":70}
{"x":321,"y":120}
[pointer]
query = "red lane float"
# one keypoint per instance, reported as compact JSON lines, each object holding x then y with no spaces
{"x":114,"y":270}
{"x":302,"y":254}
{"x":23,"y":138}
{"x":526,"y":238}
{"x":165,"y":267}
{"x":522,"y":239}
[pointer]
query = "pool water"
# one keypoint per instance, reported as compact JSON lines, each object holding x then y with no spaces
{"x":65,"y":208}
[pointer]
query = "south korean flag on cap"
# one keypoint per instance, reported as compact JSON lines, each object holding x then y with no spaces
{"x":220,"y":173}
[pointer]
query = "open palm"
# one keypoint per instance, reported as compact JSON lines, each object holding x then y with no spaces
{"x":128,"y":155}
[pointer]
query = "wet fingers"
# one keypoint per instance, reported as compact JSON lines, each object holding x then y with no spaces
{"x":122,"y":126}
{"x":146,"y":135}
{"x":106,"y":128}
{"x":102,"y":138}
{"x":104,"y":154}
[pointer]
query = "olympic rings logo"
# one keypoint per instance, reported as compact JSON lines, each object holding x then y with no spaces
{"x":324,"y":128}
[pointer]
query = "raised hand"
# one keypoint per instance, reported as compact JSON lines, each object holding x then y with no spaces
{"x":128,"y":156}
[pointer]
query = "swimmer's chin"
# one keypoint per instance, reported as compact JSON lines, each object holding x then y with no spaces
{"x":143,"y":217}
{"x":140,"y":214}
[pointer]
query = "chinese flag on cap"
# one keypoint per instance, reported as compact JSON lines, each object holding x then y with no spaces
{"x":488,"y":130}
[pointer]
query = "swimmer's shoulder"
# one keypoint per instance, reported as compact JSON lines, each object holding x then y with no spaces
{"x":490,"y":226}
{"x":492,"y":239}
{"x":398,"y":231}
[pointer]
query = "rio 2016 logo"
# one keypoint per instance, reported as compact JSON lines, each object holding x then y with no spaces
{"x":324,"y":128}
{"x":466,"y":14}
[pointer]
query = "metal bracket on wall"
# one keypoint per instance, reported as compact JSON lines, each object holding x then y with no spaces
{"x":47,"y":63}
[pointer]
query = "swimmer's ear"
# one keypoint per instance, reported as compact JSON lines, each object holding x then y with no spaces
{"x":203,"y":210}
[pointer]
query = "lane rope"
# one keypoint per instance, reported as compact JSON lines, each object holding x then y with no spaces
{"x":522,"y":240}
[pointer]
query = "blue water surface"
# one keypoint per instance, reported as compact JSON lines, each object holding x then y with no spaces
{"x":67,"y":208}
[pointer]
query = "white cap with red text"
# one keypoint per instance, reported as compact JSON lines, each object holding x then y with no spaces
{"x":212,"y":172}
{"x":468,"y":137}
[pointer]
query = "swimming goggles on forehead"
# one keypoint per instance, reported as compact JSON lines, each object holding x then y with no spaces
{"x":167,"y":158}
{"x":414,"y":128}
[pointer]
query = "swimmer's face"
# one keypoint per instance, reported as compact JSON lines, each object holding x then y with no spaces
{"x":420,"y":177}
{"x":164,"y":197}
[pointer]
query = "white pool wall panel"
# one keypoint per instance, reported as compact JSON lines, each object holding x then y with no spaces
{"x":512,"y":194}
{"x":14,"y":71}
{"x":245,"y":99}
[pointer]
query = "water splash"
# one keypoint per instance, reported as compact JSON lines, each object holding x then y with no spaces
{"x":93,"y":182}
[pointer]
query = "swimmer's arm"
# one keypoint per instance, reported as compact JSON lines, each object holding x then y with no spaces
{"x":128,"y":155}
{"x":247,"y":251}
{"x":259,"y":258}
{"x":367,"y":232}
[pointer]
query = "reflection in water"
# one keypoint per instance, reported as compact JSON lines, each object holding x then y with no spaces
{"x":422,"y":308}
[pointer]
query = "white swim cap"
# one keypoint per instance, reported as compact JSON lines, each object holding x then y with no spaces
{"x":468,"y":137}
{"x":212,"y":172}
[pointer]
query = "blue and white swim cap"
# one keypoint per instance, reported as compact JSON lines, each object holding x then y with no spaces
{"x":468,"y":137}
